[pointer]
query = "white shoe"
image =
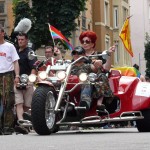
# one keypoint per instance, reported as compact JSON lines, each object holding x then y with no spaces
{"x":25,"y":123}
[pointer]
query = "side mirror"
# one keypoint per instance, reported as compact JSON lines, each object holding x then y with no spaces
{"x":67,"y":61}
{"x":31,"y":55}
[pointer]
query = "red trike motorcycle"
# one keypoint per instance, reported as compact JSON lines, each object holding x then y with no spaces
{"x":56,"y":100}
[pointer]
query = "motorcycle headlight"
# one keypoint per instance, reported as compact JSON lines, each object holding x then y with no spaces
{"x":43,"y":75}
{"x":61,"y":75}
{"x":92,"y":77}
{"x":83,"y":77}
{"x":24,"y":78}
{"x":32,"y":78}
{"x":67,"y":62}
{"x":59,"y":62}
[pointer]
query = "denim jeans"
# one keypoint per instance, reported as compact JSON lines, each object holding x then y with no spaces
{"x":86,"y":92}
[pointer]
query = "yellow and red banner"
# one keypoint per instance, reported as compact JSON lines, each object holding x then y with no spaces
{"x":125,"y":36}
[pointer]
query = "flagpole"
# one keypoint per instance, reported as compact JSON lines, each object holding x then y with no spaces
{"x":58,"y":35}
{"x":129,"y":17}
{"x":51,"y":34}
{"x":125,"y":21}
{"x":52,"y":59}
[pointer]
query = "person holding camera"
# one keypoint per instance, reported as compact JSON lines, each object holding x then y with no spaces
{"x":23,"y":95}
{"x":57,"y":53}
{"x":50,"y":60}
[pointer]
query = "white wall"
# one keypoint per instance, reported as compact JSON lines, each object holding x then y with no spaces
{"x":139,"y":24}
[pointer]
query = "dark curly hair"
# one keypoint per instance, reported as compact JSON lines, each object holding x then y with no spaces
{"x":136,"y":66}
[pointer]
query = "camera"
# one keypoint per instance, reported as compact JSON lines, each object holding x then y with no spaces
{"x":24,"y":78}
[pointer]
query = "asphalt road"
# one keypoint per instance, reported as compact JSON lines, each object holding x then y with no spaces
{"x":103,"y":139}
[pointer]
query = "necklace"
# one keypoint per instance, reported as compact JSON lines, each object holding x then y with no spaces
{"x":90,"y":52}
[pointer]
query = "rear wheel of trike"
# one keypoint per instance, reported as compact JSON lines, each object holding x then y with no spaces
{"x":143,"y":125}
{"x":42,"y":110}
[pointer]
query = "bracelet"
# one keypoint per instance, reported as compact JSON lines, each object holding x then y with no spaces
{"x":108,"y":53}
{"x":17,"y":76}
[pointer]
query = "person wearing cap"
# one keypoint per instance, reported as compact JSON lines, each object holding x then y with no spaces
{"x":88,"y":42}
{"x":141,"y":77}
{"x":80,"y":67}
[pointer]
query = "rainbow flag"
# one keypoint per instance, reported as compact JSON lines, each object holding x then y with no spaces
{"x":128,"y":71}
{"x":58,"y":35}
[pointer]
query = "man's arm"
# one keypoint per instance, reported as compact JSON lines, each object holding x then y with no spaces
{"x":142,"y":78}
{"x":17,"y":70}
{"x":33,"y":71}
{"x":57,"y":53}
{"x":107,"y":65}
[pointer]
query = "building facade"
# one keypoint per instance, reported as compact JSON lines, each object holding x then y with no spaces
{"x":140,"y":25}
{"x":105,"y":17}
{"x":6,"y":15}
{"x":103,"y":23}
{"x":120,"y":12}
{"x":108,"y":19}
{"x":84,"y":22}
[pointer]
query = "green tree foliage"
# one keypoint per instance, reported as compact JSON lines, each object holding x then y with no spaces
{"x":147,"y":55}
{"x":21,"y":10}
{"x":59,"y":13}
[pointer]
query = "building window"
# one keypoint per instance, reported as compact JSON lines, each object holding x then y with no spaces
{"x":115,"y":17}
{"x":2,"y":22}
{"x":126,"y":1}
{"x":89,"y":27}
{"x":149,"y":12}
{"x":116,"y":52}
{"x":2,"y":7}
{"x":78,"y":22}
{"x":106,"y":12}
{"x":107,"y":42}
{"x":83,"y":20}
{"x":125,"y":58}
{"x":125,"y":13}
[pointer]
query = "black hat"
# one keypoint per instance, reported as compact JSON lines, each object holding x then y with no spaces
{"x":79,"y":50}
{"x":136,"y":66}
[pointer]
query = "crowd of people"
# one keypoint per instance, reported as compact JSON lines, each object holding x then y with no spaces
{"x":15,"y":62}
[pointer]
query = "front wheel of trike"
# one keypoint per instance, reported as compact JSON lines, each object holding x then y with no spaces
{"x":42,"y":110}
{"x":143,"y":125}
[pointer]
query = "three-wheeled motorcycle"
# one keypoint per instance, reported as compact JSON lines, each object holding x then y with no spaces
{"x":56,"y":100}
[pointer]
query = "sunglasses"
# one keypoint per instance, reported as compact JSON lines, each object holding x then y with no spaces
{"x":76,"y":53}
{"x":48,"y":52}
{"x":85,"y":42}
